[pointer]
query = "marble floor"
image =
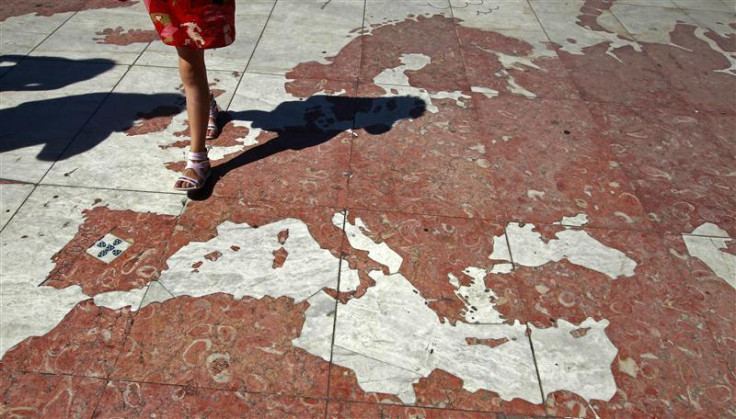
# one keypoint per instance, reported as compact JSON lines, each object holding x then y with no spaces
{"x":419,"y":209}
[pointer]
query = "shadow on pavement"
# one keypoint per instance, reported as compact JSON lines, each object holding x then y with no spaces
{"x":308,"y":123}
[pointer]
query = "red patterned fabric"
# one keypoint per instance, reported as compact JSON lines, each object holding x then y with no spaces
{"x":201,"y":24}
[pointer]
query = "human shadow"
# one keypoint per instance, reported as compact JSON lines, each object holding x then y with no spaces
{"x":57,"y":122}
{"x":311,"y":122}
{"x":47,"y":73}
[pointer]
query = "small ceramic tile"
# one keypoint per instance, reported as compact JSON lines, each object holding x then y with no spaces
{"x":108,"y":248}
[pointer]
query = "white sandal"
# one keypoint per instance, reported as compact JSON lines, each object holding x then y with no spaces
{"x":200,"y":163}
{"x":213,"y":130}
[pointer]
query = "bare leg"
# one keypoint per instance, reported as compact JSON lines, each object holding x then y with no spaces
{"x":194,"y":77}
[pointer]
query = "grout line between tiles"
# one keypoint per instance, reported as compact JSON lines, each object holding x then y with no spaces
{"x":252,"y":54}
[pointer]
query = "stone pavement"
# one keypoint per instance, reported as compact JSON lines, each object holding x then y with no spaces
{"x":435,"y":208}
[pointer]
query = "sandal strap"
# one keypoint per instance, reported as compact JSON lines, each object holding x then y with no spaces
{"x":198,"y":161}
{"x":214,"y":109}
{"x":188,"y":179}
{"x":197,"y":156}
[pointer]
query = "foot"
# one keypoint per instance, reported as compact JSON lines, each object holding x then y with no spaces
{"x":213,"y":130}
{"x":195,"y":174}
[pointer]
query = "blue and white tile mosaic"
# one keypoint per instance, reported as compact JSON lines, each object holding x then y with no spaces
{"x":108,"y":248}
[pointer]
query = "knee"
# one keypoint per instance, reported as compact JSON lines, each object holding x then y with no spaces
{"x":189,"y":74}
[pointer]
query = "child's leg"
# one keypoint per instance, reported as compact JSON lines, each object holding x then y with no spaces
{"x":194,"y":77}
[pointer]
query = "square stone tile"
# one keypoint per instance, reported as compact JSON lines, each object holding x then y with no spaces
{"x":81,"y":37}
{"x":397,"y":53}
{"x":142,"y":399}
{"x":139,"y":129}
{"x":49,"y":395}
{"x":307,"y":32}
{"x":532,"y":188}
{"x":380,"y":12}
{"x":714,"y":5}
{"x":620,"y":286}
{"x":12,"y":196}
{"x":24,"y":18}
{"x":86,"y":343}
{"x":678,"y":169}
{"x":708,"y":263}
{"x":61,"y":93}
{"x":18,"y":44}
{"x":221,"y":342}
{"x":511,"y":62}
{"x":697,"y":61}
{"x":496,"y":16}
{"x":425,"y":300}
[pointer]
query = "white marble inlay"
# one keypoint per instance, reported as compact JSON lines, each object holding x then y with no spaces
{"x":390,"y":338}
{"x":380,"y":252}
{"x":577,"y":246}
{"x":50,"y":219}
{"x":576,"y":358}
{"x":249,"y":271}
{"x":707,"y":243}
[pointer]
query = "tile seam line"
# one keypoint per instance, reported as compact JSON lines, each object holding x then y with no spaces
{"x":343,"y":239}
{"x":252,"y":54}
{"x":25,"y":57}
{"x":255,"y":393}
{"x":94,"y":113}
{"x":42,"y":41}
{"x":658,"y":69}
{"x":504,"y":220}
{"x":334,"y":320}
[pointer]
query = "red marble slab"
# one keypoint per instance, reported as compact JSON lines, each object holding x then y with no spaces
{"x":339,"y":410}
{"x":546,"y":164}
{"x":12,"y":8}
{"x":667,"y":362}
{"x":630,"y":77}
{"x":481,"y":49}
{"x":386,"y":44}
{"x":691,"y":66}
{"x":678,"y":169}
{"x":218,"y":342}
{"x":440,"y":390}
{"x":133,"y":399}
{"x":86,"y":343}
{"x":713,"y":292}
{"x":48,"y":396}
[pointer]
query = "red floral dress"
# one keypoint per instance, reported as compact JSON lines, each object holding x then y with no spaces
{"x":201,"y":24}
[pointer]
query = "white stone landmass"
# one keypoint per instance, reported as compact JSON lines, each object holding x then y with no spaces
{"x":707,"y":243}
{"x":249,"y":271}
{"x":390,"y":338}
{"x":577,"y":246}
{"x":50,"y":219}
